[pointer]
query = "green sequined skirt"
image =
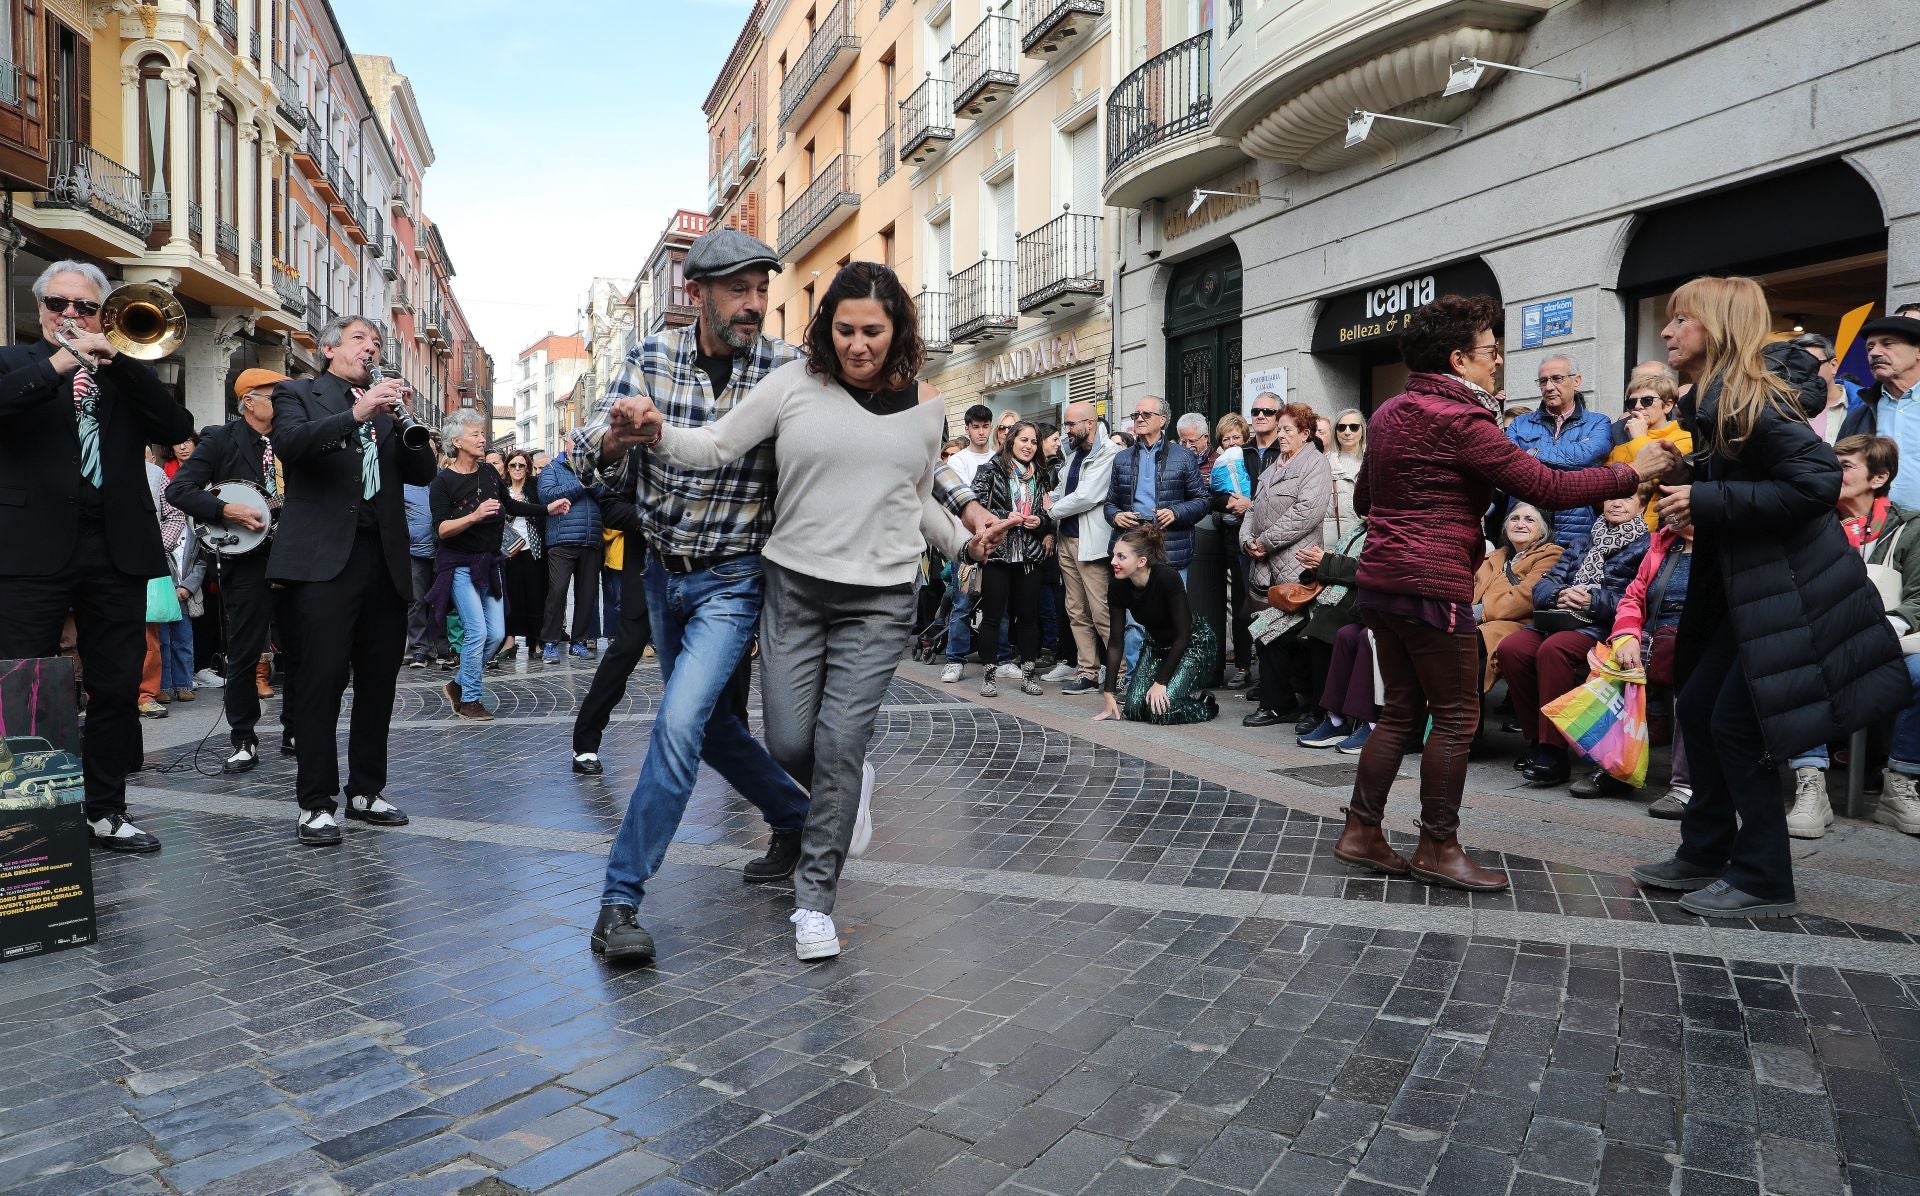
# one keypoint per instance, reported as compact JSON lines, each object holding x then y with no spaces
{"x":1188,"y":700}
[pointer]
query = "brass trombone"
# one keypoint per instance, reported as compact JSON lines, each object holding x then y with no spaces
{"x":140,"y":319}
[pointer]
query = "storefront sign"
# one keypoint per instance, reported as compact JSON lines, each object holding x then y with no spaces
{"x":1049,"y":356}
{"x":1176,"y":221}
{"x":1377,"y":313}
{"x":1546,"y":321}
{"x":1261,"y":382}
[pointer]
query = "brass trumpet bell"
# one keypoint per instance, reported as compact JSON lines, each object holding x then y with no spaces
{"x":144,"y":321}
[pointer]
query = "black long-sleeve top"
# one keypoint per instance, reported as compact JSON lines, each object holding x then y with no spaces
{"x":1160,"y":607}
{"x":454,"y":495}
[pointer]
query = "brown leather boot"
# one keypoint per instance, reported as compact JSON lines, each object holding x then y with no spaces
{"x":1443,"y":862}
{"x":474,"y":711}
{"x":261,"y":685}
{"x":1362,"y":845}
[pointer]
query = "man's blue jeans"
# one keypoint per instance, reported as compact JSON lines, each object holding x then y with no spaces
{"x":1903,"y":754}
{"x":702,"y":624}
{"x":483,"y":623}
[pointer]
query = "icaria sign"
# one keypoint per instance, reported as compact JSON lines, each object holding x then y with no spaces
{"x":1048,"y":356}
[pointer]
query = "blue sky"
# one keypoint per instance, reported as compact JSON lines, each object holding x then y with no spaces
{"x":565,"y":133}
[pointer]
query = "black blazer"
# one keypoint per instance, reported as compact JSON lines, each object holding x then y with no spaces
{"x":229,"y":453}
{"x":40,"y":462}
{"x":317,"y":442}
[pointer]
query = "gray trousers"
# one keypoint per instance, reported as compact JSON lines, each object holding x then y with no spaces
{"x":827,"y":651}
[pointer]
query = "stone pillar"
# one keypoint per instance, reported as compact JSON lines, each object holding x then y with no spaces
{"x":179,"y":129}
{"x":268,"y":170}
{"x":209,"y":170}
{"x":246,"y":209}
{"x":207,"y":355}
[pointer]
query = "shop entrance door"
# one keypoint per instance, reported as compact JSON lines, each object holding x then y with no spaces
{"x":1203,"y":337}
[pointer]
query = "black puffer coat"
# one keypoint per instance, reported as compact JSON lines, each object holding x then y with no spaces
{"x":994,"y":489}
{"x":1817,"y":652}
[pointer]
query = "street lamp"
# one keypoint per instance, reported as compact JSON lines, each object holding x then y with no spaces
{"x":1464,"y":73}
{"x":1360,"y":124}
{"x":1201,"y":195}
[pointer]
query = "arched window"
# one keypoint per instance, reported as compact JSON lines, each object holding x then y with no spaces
{"x":155,"y":137}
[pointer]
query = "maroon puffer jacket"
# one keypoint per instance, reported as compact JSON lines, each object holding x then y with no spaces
{"x":1434,"y":458}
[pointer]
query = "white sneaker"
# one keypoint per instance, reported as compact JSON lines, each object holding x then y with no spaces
{"x":952,"y":672}
{"x":1900,"y":803}
{"x":208,"y":679}
{"x":1061,"y":672}
{"x":1811,"y":814}
{"x":813,"y":935}
{"x":987,"y":688}
{"x":863,"y":821}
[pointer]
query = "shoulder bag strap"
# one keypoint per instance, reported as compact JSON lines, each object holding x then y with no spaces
{"x":1658,"y":590}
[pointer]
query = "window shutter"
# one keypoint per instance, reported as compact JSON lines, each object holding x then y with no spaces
{"x":1084,"y":192}
{"x":83,"y":87}
{"x":1005,"y":233}
{"x":1081,"y":386}
{"x":57,"y":83}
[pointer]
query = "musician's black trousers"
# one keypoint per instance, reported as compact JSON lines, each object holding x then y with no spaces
{"x":109,"y":612}
{"x":356,"y":621}
{"x":249,"y":608}
{"x":630,"y":640}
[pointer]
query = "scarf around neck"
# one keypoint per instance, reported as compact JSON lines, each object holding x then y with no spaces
{"x":1607,"y":540}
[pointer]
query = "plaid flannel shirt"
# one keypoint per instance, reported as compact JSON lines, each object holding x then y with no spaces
{"x":700,"y":513}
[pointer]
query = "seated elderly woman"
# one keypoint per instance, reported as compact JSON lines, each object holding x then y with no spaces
{"x":1503,"y":589}
{"x":1573,"y":610}
{"x":1342,"y":658}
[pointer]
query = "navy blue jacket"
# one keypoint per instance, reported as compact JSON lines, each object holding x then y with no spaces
{"x":1178,"y":487}
{"x":581,"y":524}
{"x":1583,"y":441}
{"x":1614,"y":580}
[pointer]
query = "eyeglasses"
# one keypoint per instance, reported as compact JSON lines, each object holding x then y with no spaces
{"x":1635,"y":402}
{"x":1265,"y":412}
{"x":1477,"y":350}
{"x":1142,"y":416}
{"x":1346,"y":427}
{"x":57,"y":305}
{"x":1555,"y":379}
{"x":518,"y":465}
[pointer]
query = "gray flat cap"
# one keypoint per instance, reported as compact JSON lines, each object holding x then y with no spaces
{"x":727,"y":251}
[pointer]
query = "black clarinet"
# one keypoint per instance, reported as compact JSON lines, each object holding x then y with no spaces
{"x":413,"y":433}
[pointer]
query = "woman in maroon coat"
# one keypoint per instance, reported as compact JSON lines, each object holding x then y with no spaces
{"x":1435,"y":456}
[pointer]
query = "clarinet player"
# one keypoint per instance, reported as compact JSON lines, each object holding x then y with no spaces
{"x":341,"y":553}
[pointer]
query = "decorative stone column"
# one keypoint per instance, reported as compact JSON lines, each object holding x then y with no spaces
{"x":208,"y":356}
{"x":179,"y":129}
{"x":209,"y":170}
{"x":268,"y":167}
{"x":247,"y":168}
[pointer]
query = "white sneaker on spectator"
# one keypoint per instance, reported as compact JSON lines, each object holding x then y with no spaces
{"x":813,"y":935}
{"x":1900,"y":803}
{"x":1061,"y":672}
{"x":952,"y":672}
{"x":863,"y":820}
{"x":1811,"y":814}
{"x":208,"y":679}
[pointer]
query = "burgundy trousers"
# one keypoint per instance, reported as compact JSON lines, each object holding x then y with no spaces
{"x":1539,"y":669}
{"x":1423,"y":668}
{"x":1349,"y":689}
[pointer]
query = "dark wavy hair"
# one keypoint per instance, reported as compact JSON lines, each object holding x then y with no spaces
{"x":906,"y":356}
{"x":1451,"y":322}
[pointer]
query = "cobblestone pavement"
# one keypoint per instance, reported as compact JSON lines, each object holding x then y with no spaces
{"x":1070,"y":967}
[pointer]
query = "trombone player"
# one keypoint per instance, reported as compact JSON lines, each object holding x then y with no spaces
{"x":77,"y":519}
{"x":342,"y":554}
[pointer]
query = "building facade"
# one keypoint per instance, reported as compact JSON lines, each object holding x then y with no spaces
{"x":544,"y":392}
{"x":736,"y":111}
{"x":609,"y":324}
{"x":1571,"y":198}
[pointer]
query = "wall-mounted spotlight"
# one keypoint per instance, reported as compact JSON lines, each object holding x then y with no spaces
{"x":1464,"y":73}
{"x":1201,"y":195}
{"x":1360,"y":124}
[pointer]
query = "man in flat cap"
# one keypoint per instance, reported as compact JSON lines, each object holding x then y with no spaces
{"x":1891,"y":406}
{"x":703,"y":532}
{"x":241,"y":450}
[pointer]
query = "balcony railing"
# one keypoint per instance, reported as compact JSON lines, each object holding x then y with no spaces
{"x":317,"y":317}
{"x":1234,"y":16}
{"x":287,"y":287}
{"x":714,"y":202}
{"x":253,"y":46}
{"x":334,"y":174}
{"x":826,"y":201}
{"x":1060,"y":261}
{"x":935,"y":331}
{"x":1048,"y":26}
{"x":159,"y":207}
{"x":287,"y":97}
{"x":889,"y":161}
{"x":253,"y":263}
{"x":86,"y":180}
{"x":748,"y":153}
{"x":831,"y":49}
{"x":402,"y":300}
{"x":983,"y":301}
{"x":9,"y":84}
{"x":193,"y":224}
{"x":985,"y":67}
{"x":226,"y":239}
{"x":376,"y":226}
{"x":1171,"y":94}
{"x":926,"y":121}
{"x":227,"y":20}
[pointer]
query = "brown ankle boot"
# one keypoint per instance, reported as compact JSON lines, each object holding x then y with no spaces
{"x":1443,"y":862}
{"x":1362,"y":845}
{"x":261,"y":684}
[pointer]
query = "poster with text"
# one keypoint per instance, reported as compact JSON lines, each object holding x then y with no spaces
{"x":1257,"y":382}
{"x":46,"y":873}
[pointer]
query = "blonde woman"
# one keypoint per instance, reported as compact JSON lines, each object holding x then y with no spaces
{"x":1783,"y":644}
{"x":1344,"y":454}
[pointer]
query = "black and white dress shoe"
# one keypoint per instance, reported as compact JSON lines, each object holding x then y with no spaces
{"x":318,"y":828}
{"x":244,"y":757}
{"x":286,"y":743}
{"x":374,"y":811}
{"x":587,"y":764}
{"x":115,"y":833}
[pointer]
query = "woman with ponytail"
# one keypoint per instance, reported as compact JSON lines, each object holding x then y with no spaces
{"x":1178,"y":652}
{"x":1783,"y":644}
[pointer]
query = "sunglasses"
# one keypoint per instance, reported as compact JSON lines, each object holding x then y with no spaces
{"x":1267,"y":412}
{"x":1141,"y":416}
{"x":1635,"y":402}
{"x":57,"y":305}
{"x":1346,"y":427}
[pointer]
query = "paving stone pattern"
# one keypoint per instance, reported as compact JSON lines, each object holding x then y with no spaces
{"x":415,"y":1013}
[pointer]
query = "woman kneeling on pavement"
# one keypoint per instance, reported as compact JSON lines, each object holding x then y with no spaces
{"x":1878,"y":528}
{"x":1435,"y":455}
{"x":1178,"y":652}
{"x":1783,"y":643}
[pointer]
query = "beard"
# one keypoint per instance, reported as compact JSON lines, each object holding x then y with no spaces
{"x":737,"y":334}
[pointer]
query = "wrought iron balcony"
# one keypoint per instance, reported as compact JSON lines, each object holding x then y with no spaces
{"x":1060,"y":264}
{"x":935,"y":331}
{"x":1171,"y":94}
{"x":402,"y":300}
{"x":226,"y":240}
{"x":829,"y":200}
{"x":317,"y":315}
{"x":985,"y":68}
{"x":889,"y":161}
{"x":287,"y":287}
{"x":253,"y":263}
{"x":9,"y":84}
{"x":193,"y":224}
{"x":1050,"y":26}
{"x":389,"y":257}
{"x":286,"y":97}
{"x":983,"y":305}
{"x":86,"y":180}
{"x":829,"y":53}
{"x":714,"y":202}
{"x":748,"y":151}
{"x":926,"y":121}
{"x":226,"y":19}
{"x":1234,"y":16}
{"x":253,"y":45}
{"x":376,"y":227}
